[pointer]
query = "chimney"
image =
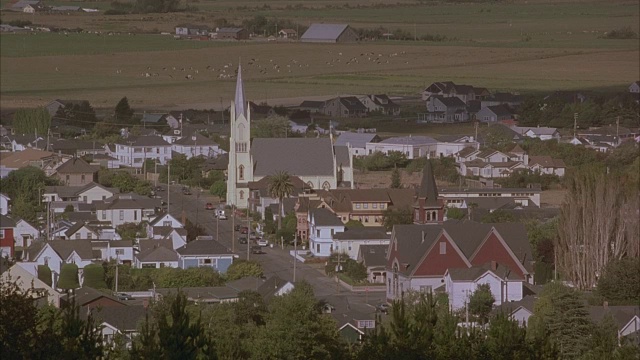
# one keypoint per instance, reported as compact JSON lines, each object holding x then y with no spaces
{"x":494,"y":265}
{"x":145,"y":303}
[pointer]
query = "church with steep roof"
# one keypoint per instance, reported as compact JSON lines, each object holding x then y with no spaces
{"x":317,"y":161}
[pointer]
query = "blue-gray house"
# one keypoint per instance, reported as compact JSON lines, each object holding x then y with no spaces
{"x":205,"y":253}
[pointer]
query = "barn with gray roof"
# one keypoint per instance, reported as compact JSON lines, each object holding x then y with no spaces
{"x":329,"y":33}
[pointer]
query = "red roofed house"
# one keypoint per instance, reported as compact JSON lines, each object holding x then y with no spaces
{"x":7,"y":242}
{"x":420,"y":255}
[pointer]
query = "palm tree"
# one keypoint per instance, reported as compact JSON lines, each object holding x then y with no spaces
{"x":280,"y":186}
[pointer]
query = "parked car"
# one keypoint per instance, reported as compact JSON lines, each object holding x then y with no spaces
{"x":383,"y":308}
{"x":242,"y":240}
{"x":209,"y":206}
{"x":123,"y":296}
{"x":236,"y":228}
{"x":262,"y":242}
{"x":158,"y":188}
{"x":220,"y":214}
{"x":257,"y":250}
{"x":244,"y":230}
{"x":186,"y":191}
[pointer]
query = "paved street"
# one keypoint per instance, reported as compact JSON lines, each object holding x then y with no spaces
{"x":275,"y":261}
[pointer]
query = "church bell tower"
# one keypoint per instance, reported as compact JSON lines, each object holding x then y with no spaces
{"x":240,"y":170}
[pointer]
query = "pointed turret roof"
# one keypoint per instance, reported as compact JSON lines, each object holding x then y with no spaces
{"x":240,"y":101}
{"x":428,"y":188}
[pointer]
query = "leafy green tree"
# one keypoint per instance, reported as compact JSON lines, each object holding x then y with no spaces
{"x":275,"y":126}
{"x":269,"y":225}
{"x":498,"y":216}
{"x":130,"y":231}
{"x":297,"y":312}
{"x":81,"y":339}
{"x":80,"y":114}
{"x":243,"y":268}
{"x":560,"y":321}
{"x":25,"y":186}
{"x":180,"y":338}
{"x":94,"y":276}
{"x":391,"y":217}
{"x":44,"y":274}
{"x":123,"y":111}
{"x":604,"y":339}
{"x":620,"y":281}
{"x":396,"y":182}
{"x":146,"y":346}
{"x":32,"y":121}
{"x":18,"y":328}
{"x":455,"y":213}
{"x":506,"y":339}
{"x":68,"y":277}
{"x":250,"y":308}
{"x":354,"y":224}
{"x":219,"y":189}
{"x":481,"y":302}
{"x":280,"y":186}
{"x":193,"y":230}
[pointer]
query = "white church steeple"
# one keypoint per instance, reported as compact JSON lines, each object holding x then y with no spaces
{"x":240,"y":170}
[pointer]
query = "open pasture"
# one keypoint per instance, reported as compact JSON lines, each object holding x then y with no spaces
{"x":522,"y":46}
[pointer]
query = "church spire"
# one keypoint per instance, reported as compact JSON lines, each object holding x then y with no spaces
{"x":239,"y":99}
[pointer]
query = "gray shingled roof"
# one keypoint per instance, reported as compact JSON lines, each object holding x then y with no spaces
{"x":196,"y":139}
{"x":342,"y":156}
{"x":409,"y":140}
{"x":6,"y":222}
{"x":76,"y":166}
{"x":127,"y":201}
{"x":204,"y":247}
{"x":324,"y":31}
{"x":270,"y":286}
{"x":359,"y":140}
{"x":374,"y":255}
{"x":159,"y":253}
{"x":324,"y":217}
{"x":124,"y":318}
{"x":363,"y":233}
{"x":64,"y":248}
{"x":313,"y":156}
{"x":148,"y":140}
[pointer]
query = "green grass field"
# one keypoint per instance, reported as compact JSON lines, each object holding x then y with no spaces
{"x":525,"y":46}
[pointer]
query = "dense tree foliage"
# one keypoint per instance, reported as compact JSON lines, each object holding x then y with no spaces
{"x":25,"y":186}
{"x":79,"y":114}
{"x":32,"y":121}
{"x":69,"y":277}
{"x":481,"y":302}
{"x":274,"y":126}
{"x":243,"y":268}
{"x":455,"y":213}
{"x":94,"y":276}
{"x":124,"y":181}
{"x":44,"y":274}
{"x":620,"y":281}
{"x":130,"y":279}
{"x":396,"y":180}
{"x":391,"y":217}
{"x":280,"y":187}
{"x":123,"y":112}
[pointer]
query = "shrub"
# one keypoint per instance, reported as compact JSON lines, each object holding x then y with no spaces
{"x":94,"y":277}
{"x":44,"y":274}
{"x":69,"y":277}
{"x":622,"y":33}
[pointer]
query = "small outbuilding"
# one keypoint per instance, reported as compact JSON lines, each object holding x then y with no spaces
{"x":232,"y":33}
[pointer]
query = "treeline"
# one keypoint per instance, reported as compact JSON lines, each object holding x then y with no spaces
{"x":596,"y":110}
{"x":147,"y":7}
{"x":381,"y":32}
{"x":32,"y":121}
{"x":443,"y":168}
{"x":295,"y":326}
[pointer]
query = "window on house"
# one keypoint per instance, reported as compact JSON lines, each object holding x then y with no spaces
{"x":365,"y":206}
{"x":121,"y":215}
{"x":357,"y":205}
{"x":166,"y":223}
{"x":119,"y":251}
{"x":77,"y":235}
{"x":349,"y":245}
{"x":317,"y":248}
{"x":374,"y":205}
{"x":67,"y":177}
{"x":135,"y":215}
{"x":332,"y":232}
{"x":318,"y":234}
{"x":443,"y":248}
{"x":149,"y":266}
{"x":425,"y":289}
{"x":82,"y":178}
{"x":104,"y":215}
{"x":241,"y":194}
{"x":84,"y":198}
{"x":382,"y":206}
{"x":89,"y":236}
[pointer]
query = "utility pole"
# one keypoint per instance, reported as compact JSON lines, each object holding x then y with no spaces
{"x":295,"y":255}
{"x":155,"y":171}
{"x":168,"y":187}
{"x":117,"y":260}
{"x":217,"y":228}
{"x":575,"y":124}
{"x":248,"y":231}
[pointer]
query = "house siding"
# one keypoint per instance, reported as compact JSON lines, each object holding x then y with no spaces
{"x":493,"y":250}
{"x":436,"y":264}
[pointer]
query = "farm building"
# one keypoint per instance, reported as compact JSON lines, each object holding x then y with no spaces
{"x":329,"y":33}
{"x":232,"y":33}
{"x":288,"y":34}
{"x":189,"y":29}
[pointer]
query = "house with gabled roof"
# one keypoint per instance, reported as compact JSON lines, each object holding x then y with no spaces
{"x":329,"y":33}
{"x":155,"y":254}
{"x":7,"y":240}
{"x":547,"y":165}
{"x":344,"y":106}
{"x":132,"y":151}
{"x":26,"y":281}
{"x":460,"y":283}
{"x":374,"y":259}
{"x":209,"y":253}
{"x":420,"y":255}
{"x":56,"y":104}
{"x":117,"y":321}
{"x":55,"y":253}
{"x":197,"y":145}
{"x":76,"y":147}
{"x":288,"y":34}
{"x":349,"y":241}
{"x":447,"y":89}
{"x":412,"y":146}
{"x":539,"y":132}
{"x":441,"y":109}
{"x":25,"y":233}
{"x":24,"y":141}
{"x":357,"y":142}
{"x":232,"y":33}
{"x":160,"y":119}
{"x":127,"y":208}
{"x":323,"y":225}
{"x":76,"y":172}
{"x":495,"y":113}
{"x":379,"y":103}
{"x":312,"y":106}
{"x":85,"y":194}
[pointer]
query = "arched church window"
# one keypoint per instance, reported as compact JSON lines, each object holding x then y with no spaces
{"x":241,"y":194}
{"x":326,"y":185}
{"x":310,"y":184}
{"x":241,"y":130}
{"x":241,"y":172}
